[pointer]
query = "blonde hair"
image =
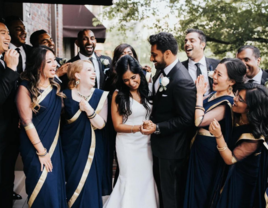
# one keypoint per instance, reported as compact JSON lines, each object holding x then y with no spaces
{"x":73,"y":68}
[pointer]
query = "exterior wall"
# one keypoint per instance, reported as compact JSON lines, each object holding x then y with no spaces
{"x":39,"y":16}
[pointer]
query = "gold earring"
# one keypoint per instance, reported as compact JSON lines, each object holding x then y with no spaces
{"x":77,"y":82}
{"x":230,"y":89}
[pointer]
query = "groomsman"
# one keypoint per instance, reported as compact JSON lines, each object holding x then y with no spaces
{"x":18,"y":35}
{"x":174,"y":98}
{"x":250,"y":55}
{"x":86,"y":41}
{"x":8,"y":117}
{"x":197,"y":63}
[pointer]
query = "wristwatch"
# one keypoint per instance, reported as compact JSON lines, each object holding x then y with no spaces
{"x":157,"y":129}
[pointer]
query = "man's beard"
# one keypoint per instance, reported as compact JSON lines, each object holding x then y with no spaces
{"x":161,"y":65}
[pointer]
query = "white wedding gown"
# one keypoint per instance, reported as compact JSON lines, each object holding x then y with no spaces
{"x":135,"y":187}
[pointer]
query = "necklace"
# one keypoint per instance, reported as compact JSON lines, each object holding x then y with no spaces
{"x":83,"y":96}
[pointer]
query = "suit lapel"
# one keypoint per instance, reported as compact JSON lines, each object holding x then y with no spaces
{"x":101,"y":72}
{"x":264,"y":77}
{"x":155,"y":79}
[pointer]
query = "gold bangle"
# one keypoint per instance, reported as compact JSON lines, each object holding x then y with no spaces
{"x":92,"y":116}
{"x":221,"y":149}
{"x":200,"y":108}
{"x":29,"y":126}
{"x":132,"y":128}
{"x":42,"y":154}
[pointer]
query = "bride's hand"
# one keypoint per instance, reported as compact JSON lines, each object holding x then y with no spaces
{"x":147,"y":124}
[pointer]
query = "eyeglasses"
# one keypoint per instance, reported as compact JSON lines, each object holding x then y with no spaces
{"x":239,"y":97}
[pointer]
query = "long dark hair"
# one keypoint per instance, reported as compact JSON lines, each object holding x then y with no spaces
{"x":122,"y":99}
{"x":36,"y":61}
{"x":257,"y":102}
{"x":236,"y":71}
{"x":118,"y":51}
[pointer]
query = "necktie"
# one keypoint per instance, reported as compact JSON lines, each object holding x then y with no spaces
{"x":251,"y":81}
{"x":96,"y":83}
{"x":198,"y":70}
{"x":19,"y":67}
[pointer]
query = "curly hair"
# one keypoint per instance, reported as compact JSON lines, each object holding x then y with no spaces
{"x":124,"y":64}
{"x":257,"y":102}
{"x":35,"y":63}
{"x":164,"y":41}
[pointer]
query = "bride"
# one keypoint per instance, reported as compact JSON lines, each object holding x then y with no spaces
{"x":135,"y":186}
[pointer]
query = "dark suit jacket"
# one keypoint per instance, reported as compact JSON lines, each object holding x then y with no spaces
{"x":264,"y":77}
{"x":8,"y":111}
{"x":211,"y":66}
{"x":173,"y":110}
{"x":65,"y":79}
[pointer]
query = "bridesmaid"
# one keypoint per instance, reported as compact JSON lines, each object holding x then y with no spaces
{"x":247,"y":177}
{"x":39,"y":106}
{"x":86,"y":113}
{"x":206,"y":168}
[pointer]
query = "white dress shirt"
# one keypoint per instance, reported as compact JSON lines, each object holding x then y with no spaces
{"x":203,"y":67}
{"x":96,"y":65}
{"x":22,"y":52}
{"x":166,"y":70}
{"x":256,"y":79}
{"x":1,"y":61}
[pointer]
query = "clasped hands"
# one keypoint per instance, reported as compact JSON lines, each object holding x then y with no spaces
{"x":148,"y":127}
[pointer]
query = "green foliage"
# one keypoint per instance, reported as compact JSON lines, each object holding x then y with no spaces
{"x":227,"y":24}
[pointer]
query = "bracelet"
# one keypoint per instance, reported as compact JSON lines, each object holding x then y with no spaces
{"x":29,"y":126}
{"x":43,"y":154}
{"x":37,"y":143}
{"x":221,"y":149}
{"x":200,"y":108}
{"x":217,"y":137}
{"x":91,"y":114}
{"x":132,"y":129}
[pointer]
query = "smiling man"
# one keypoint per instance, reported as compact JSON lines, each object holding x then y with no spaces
{"x":250,"y":55}
{"x":86,"y":41}
{"x":197,"y":63}
{"x":18,"y":40}
{"x":9,"y":132}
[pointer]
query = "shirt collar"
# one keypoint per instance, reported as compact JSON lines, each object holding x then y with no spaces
{"x":202,"y":61}
{"x":83,"y":57}
{"x":257,"y":77}
{"x":170,"y":66}
{"x":12,"y":46}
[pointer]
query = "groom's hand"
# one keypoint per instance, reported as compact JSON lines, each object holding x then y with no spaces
{"x":148,"y":131}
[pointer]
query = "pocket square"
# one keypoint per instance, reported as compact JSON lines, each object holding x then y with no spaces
{"x":163,"y":95}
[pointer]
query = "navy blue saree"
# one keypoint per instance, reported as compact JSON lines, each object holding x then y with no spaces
{"x":45,"y":189}
{"x":247,"y":177}
{"x":206,"y":167}
{"x":83,"y":149}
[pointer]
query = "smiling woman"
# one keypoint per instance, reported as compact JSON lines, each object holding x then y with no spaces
{"x":39,"y":106}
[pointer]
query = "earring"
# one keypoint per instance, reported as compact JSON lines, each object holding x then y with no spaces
{"x":230,"y":89}
{"x":77,"y":82}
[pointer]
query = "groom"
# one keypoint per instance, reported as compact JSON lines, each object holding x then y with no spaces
{"x":174,"y":98}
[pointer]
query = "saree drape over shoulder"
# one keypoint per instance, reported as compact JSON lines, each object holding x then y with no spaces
{"x":206,"y":167}
{"x":44,"y":189}
{"x":247,"y":177}
{"x":83,"y":149}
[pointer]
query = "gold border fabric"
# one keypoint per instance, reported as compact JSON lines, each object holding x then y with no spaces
{"x":43,"y":176}
{"x":266,"y":199}
{"x":249,"y":136}
{"x":41,"y":97}
{"x":90,"y":154}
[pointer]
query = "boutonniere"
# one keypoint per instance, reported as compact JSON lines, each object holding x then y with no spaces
{"x":63,"y":61}
{"x":164,"y":81}
{"x":210,"y":72}
{"x":105,"y":62}
{"x":266,"y":84}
